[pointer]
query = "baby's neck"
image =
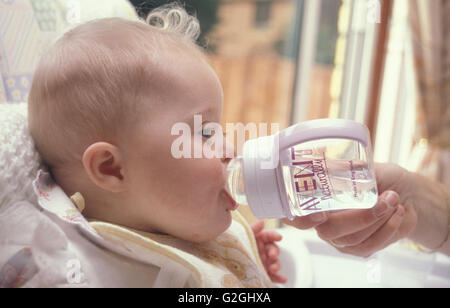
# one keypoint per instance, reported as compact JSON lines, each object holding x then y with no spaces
{"x":98,"y":202}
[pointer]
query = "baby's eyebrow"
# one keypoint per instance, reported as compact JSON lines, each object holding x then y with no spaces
{"x":204,"y":114}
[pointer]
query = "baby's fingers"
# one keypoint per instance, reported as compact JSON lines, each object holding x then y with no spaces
{"x":257,"y":227}
{"x":261,"y":251}
{"x":274,"y":267}
{"x":272,"y":251}
{"x":270,"y":236}
{"x":272,"y":272}
{"x":278,"y":278}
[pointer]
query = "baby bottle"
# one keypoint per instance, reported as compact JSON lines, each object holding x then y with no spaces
{"x":314,"y":166}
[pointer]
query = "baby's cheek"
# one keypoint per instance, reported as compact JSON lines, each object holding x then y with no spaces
{"x":213,"y":170}
{"x":206,"y":175}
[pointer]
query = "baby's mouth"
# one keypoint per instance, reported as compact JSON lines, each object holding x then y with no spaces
{"x":231,"y":204}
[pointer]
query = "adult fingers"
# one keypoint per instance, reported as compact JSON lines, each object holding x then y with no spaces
{"x":385,"y":236}
{"x":307,"y":222}
{"x":347,"y":222}
{"x":358,"y":237}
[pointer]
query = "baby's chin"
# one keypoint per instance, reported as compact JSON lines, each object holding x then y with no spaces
{"x":214,"y":230}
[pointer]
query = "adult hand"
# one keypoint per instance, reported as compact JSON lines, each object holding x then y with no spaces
{"x":364,"y":232}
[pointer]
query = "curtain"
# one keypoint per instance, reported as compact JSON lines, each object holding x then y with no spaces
{"x":430,"y":26}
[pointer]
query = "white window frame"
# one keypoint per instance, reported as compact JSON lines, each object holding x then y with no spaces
{"x":307,"y":52}
{"x":397,"y":108}
{"x":358,"y":65}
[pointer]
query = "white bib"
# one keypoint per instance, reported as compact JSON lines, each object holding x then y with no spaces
{"x":231,"y":260}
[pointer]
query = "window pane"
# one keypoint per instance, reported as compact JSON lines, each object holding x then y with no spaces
{"x":256,"y":64}
{"x":320,"y":95}
{"x":255,"y":50}
{"x":262,"y":15}
{"x":252,"y":46}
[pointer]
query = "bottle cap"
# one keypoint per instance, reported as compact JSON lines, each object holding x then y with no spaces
{"x":261,"y":174}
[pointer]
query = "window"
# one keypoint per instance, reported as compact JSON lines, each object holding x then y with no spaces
{"x":335,"y":61}
{"x":316,"y":60}
{"x":262,"y":14}
{"x":287,"y":61}
{"x":255,"y":56}
{"x":397,"y":111}
{"x":256,"y":68}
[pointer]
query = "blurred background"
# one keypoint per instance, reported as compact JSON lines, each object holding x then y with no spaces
{"x":385,"y":63}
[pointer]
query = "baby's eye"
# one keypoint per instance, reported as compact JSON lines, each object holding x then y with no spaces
{"x":210,"y":129}
{"x":207,"y":133}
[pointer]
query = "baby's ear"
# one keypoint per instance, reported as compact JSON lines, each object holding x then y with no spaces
{"x":103,"y":163}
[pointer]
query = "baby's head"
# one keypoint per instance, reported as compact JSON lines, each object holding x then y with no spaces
{"x":102,"y":106}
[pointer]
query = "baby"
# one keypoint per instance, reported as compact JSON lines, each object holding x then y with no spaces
{"x":102,"y":104}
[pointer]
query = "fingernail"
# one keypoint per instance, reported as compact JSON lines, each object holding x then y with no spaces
{"x":400,"y":211}
{"x":392,"y":198}
{"x":381,"y":208}
{"x":389,"y":200}
{"x":318,"y":217}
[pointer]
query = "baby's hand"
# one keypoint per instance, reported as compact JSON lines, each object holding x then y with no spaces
{"x":268,"y":250}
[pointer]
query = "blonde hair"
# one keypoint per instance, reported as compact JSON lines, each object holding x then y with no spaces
{"x":174,"y":19}
{"x":93,"y":81}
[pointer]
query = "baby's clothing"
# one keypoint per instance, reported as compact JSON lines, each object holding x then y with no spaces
{"x":231,"y":260}
{"x":110,"y":255}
